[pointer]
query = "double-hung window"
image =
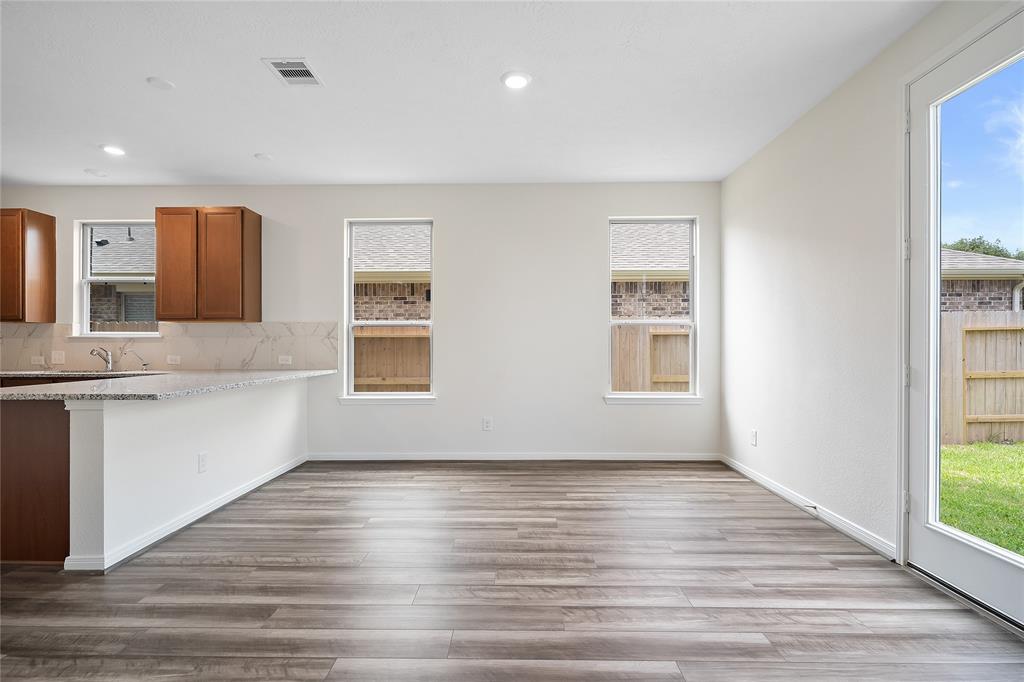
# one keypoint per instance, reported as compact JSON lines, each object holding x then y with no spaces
{"x":653,"y":322}
{"x":117,"y":291}
{"x":389,"y":308}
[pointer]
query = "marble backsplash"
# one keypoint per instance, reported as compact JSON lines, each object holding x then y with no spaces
{"x":258,"y":345}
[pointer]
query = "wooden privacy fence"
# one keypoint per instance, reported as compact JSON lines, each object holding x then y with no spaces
{"x":97,"y":326}
{"x":391,"y":359}
{"x":650,"y":358}
{"x":981,"y":369}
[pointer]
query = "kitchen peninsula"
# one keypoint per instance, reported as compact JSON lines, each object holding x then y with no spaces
{"x":147,"y":452}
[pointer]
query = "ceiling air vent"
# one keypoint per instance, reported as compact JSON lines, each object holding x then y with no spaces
{"x":293,"y":71}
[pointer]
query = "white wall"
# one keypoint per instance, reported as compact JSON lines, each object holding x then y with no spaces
{"x":521,"y":299}
{"x":811,"y":280}
{"x":150,"y":480}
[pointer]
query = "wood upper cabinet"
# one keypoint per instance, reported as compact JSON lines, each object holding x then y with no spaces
{"x":28,"y":266}
{"x":209,"y":264}
{"x":176,"y":247}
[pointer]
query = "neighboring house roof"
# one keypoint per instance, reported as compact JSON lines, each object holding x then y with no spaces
{"x":969,"y":265}
{"x":391,"y":247}
{"x":651,"y":249}
{"x":120,"y":256}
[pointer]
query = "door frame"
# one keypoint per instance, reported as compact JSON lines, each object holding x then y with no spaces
{"x":965,"y":40}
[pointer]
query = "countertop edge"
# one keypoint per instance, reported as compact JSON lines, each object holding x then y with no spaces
{"x":206,"y":384}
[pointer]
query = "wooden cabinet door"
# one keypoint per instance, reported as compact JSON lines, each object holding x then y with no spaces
{"x":176,"y":262}
{"x":39,"y":244}
{"x":12,"y":265}
{"x":35,"y":480}
{"x":220,"y":264}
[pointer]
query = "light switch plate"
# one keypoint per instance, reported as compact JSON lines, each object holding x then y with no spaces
{"x":487,"y":424}
{"x":173,"y":359}
{"x":57,"y":357}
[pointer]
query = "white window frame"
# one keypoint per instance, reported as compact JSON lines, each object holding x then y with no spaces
{"x":347,"y":361}
{"x":693,"y":396}
{"x":83,"y":280}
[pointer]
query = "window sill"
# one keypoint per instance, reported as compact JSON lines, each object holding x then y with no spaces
{"x":116,"y":335}
{"x":392,"y":399}
{"x":652,"y":399}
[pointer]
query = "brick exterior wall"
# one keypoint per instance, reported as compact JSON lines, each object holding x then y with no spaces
{"x":636,"y":300}
{"x":977,"y":294}
{"x":106,"y":306}
{"x":392,"y":301}
{"x":103,"y":303}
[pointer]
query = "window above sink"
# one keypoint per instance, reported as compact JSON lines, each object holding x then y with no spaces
{"x":116,"y":285}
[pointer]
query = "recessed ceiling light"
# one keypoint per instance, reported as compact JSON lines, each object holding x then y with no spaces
{"x":516,"y":80}
{"x":113,"y":150}
{"x":260,"y":156}
{"x":160,"y":83}
{"x":95,"y":172}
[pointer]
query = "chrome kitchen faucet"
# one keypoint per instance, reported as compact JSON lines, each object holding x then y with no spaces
{"x":108,"y":358}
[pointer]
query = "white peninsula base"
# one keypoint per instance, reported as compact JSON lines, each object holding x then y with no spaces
{"x":143,"y":469}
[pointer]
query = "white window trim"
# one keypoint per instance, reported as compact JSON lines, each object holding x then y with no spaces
{"x":346,"y":349}
{"x":693,"y":396}
{"x":80,"y":323}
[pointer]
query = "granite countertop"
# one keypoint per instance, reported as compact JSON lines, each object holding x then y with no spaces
{"x":146,"y":385}
{"x":76,"y":373}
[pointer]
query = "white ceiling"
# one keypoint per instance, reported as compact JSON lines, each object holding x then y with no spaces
{"x":621,"y":91}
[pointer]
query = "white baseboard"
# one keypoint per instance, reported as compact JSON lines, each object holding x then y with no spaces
{"x":840,"y":523}
{"x":84,"y":562}
{"x":512,"y":456}
{"x":100,"y":563}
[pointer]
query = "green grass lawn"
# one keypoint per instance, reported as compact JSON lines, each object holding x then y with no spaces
{"x":983,"y":492}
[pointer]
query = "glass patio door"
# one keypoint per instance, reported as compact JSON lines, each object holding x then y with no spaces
{"x":966,"y":328}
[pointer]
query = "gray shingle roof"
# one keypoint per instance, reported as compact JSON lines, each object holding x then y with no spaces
{"x":963,"y":262}
{"x":650,"y":246}
{"x":391,"y":247}
{"x":121,"y":256}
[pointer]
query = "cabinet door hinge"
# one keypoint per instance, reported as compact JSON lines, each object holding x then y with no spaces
{"x":906,"y":122}
{"x":906,"y":502}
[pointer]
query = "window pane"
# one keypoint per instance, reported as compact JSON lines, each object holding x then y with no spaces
{"x":122,"y":250}
{"x":650,"y":270}
{"x":391,"y":267}
{"x":981,"y":191}
{"x":391,"y":359}
{"x":650,"y":358}
{"x":123,"y":307}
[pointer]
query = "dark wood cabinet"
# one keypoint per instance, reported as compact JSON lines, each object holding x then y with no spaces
{"x":35,"y":477}
{"x":209,"y":264}
{"x":28,"y":266}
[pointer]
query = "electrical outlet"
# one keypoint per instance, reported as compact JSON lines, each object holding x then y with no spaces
{"x":201,"y":460}
{"x":173,"y":359}
{"x":56,"y":357}
{"x":487,"y":424}
{"x":284,"y":359}
{"x":753,"y":437}
{"x":38,"y":360}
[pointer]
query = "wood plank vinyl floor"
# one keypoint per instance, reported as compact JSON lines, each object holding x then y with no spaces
{"x":499,"y":571}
